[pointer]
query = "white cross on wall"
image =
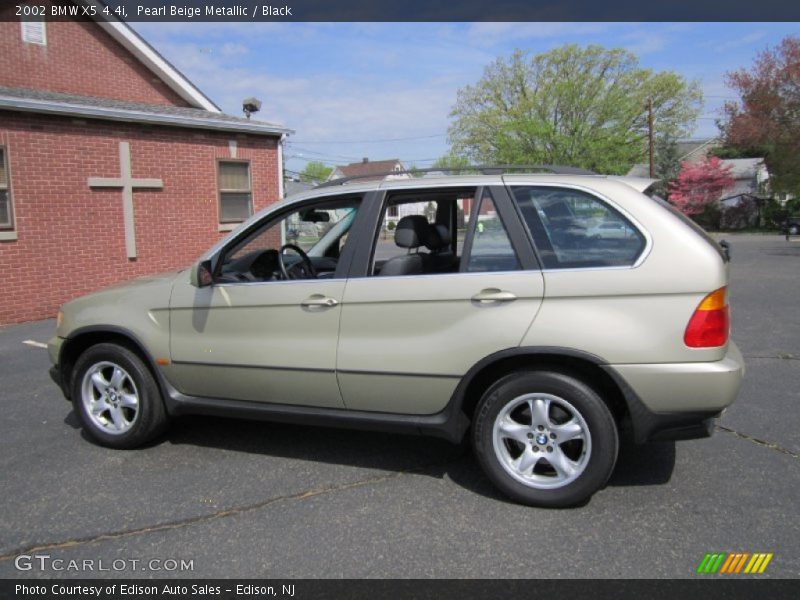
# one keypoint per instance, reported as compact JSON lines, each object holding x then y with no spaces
{"x":128,"y":184}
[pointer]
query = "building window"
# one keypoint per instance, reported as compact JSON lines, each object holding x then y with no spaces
{"x":235,"y":196}
{"x":6,"y":210}
{"x":34,"y":32}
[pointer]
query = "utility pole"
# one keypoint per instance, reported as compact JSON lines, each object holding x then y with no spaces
{"x":651,"y":142}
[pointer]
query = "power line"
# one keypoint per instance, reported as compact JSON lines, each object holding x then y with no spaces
{"x":403,"y":139}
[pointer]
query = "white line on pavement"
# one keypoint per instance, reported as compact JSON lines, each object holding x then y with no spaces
{"x":35,"y":344}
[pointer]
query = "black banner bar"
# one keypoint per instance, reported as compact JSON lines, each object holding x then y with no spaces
{"x":405,"y":11}
{"x":405,"y":589}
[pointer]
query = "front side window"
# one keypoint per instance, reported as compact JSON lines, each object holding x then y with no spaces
{"x":574,"y":229}
{"x":235,"y":195}
{"x":283,"y":247}
{"x":6,"y":210}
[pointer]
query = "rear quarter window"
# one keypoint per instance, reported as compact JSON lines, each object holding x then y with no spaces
{"x":574,"y":229}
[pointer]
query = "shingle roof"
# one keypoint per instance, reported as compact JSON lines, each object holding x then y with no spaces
{"x":363,"y":169}
{"x":29,"y":100}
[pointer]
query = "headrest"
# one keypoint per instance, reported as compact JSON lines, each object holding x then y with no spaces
{"x":412,"y":231}
{"x":439,"y":238}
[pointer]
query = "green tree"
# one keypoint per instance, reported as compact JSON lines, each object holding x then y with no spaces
{"x":415,"y":171}
{"x":451,"y":161}
{"x":579,"y":106}
{"x":315,"y":172}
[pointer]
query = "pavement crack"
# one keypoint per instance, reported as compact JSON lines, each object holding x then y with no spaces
{"x":778,"y":356}
{"x":755,"y":440}
{"x":221,"y":514}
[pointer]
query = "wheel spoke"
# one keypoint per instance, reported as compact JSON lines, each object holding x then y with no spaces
{"x":99,"y":382}
{"x":540,"y":411}
{"x":129,"y":401}
{"x":99,"y":407}
{"x":513,"y":430}
{"x":567,"y":431}
{"x":116,"y":378}
{"x":561,"y":463}
{"x":117,"y":417}
{"x":525,"y":461}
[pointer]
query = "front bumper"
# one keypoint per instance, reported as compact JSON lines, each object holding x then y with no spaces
{"x":679,"y":401}
{"x":54,"y":352}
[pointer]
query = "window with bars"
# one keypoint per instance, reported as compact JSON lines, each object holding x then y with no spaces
{"x":235,"y":194}
{"x":6,"y":210}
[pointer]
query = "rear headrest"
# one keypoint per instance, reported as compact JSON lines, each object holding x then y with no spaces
{"x":439,"y":238}
{"x":412,"y":231}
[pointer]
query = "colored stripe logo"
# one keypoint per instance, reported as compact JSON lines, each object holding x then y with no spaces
{"x":734,"y":563}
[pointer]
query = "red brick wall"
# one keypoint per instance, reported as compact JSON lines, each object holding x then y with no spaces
{"x":79,"y":58}
{"x":71,"y":238}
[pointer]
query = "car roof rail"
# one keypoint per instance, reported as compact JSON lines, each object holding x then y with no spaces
{"x":466,"y":169}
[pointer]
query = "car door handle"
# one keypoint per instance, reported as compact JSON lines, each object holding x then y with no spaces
{"x":319,"y":300}
{"x":493,"y":295}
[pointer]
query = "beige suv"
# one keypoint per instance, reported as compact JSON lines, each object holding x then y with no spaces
{"x":542,"y":315}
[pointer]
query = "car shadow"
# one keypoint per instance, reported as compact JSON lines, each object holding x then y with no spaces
{"x":643,"y":465}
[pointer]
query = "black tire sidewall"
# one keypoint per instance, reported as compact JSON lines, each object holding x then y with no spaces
{"x":151,"y":416}
{"x":601,"y":424}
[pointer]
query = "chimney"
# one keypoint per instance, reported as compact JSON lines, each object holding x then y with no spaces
{"x":364,"y":160}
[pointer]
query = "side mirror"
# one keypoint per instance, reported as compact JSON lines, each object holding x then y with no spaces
{"x":200,"y":275}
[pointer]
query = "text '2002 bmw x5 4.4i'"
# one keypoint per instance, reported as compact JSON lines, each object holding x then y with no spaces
{"x":490,"y":306}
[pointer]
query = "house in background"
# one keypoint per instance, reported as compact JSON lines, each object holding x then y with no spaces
{"x":740,"y":204}
{"x":376,"y":170}
{"x":371,"y":170}
{"x":112,"y":163}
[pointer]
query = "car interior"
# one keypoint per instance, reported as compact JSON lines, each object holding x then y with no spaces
{"x":306,"y":243}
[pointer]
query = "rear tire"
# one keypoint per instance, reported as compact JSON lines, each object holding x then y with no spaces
{"x":116,"y":397}
{"x":545,"y":438}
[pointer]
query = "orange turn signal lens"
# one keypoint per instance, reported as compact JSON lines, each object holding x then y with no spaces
{"x":715,"y":300}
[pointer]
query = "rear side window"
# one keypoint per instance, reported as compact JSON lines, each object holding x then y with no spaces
{"x":573,"y":229}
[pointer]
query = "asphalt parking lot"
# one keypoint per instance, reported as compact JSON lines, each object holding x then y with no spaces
{"x":242,"y":499}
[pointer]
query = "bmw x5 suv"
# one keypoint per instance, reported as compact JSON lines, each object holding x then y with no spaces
{"x":477,"y":307}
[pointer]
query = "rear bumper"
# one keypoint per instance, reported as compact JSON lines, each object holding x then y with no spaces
{"x":679,"y":401}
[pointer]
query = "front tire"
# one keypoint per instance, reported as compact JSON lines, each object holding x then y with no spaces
{"x":545,"y":438}
{"x":116,"y":397}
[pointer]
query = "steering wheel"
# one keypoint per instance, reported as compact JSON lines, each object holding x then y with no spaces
{"x":299,"y":270}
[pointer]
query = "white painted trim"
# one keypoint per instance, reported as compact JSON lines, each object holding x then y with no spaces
{"x":280,"y":167}
{"x":8,"y":236}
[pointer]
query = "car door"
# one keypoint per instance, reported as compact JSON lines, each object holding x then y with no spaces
{"x":253,"y":335}
{"x":405,"y":341}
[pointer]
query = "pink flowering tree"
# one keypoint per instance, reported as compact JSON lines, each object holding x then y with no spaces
{"x":698,"y":188}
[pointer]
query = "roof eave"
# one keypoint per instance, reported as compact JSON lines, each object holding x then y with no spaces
{"x":132,"y":116}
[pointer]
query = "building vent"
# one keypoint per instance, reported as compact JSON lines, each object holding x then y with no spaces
{"x":33,"y":32}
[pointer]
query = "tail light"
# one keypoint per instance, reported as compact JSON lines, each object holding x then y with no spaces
{"x":710,"y":324}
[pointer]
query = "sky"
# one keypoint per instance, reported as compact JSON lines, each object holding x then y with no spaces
{"x":385,"y":90}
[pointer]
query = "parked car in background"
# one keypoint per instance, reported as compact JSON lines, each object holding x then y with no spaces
{"x":611,"y":230}
{"x":535,"y":339}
